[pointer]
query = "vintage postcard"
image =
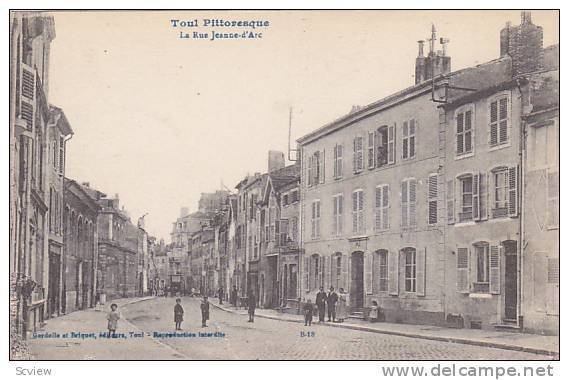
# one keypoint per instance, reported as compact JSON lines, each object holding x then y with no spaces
{"x":284,"y":185}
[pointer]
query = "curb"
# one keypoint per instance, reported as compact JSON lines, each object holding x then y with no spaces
{"x":467,"y":341}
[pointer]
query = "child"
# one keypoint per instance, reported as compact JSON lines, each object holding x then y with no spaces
{"x":308,"y":309}
{"x":113,"y":318}
{"x":178,"y":314}
{"x":205,"y":310}
{"x":374,"y":312}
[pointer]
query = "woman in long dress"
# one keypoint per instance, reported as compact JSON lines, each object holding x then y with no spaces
{"x":342,"y":307}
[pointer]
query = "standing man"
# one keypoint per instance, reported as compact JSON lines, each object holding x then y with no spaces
{"x":321,"y":298}
{"x":332,"y":299}
{"x":251,"y":305}
{"x":205,"y":311}
{"x":234,"y":296}
{"x":220,"y":294}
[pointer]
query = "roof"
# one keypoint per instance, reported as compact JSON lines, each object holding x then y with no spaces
{"x":57,"y":117}
{"x":471,"y":77}
{"x":506,"y":85}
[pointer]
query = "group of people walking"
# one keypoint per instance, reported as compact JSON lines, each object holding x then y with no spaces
{"x":334,"y":303}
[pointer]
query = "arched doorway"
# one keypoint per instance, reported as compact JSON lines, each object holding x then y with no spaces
{"x":357,"y":280}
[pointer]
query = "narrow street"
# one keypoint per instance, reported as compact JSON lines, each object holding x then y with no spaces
{"x":264,"y":339}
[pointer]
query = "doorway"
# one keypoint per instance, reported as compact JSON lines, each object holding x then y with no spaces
{"x":357,"y":280}
{"x":53,"y":289}
{"x":511,"y":282}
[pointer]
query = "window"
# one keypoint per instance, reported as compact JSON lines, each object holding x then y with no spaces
{"x":338,"y":208}
{"x":553,"y":200}
{"x":482,"y":262}
{"x":358,"y":212}
{"x":466,"y":194}
{"x":383,"y":270}
{"x":410,"y":269}
{"x":337,"y":271}
{"x":316,"y":271}
{"x":316,"y":168}
{"x":358,"y":154}
{"x":315,"y":231}
{"x":500,"y":207}
{"x":371,"y":150}
{"x":433,"y":198}
{"x":543,"y":147}
{"x":294,"y":196}
{"x":464,"y":130}
{"x":338,"y":153}
{"x":408,"y":202}
{"x":285,"y":200}
{"x":381,"y":208}
{"x":408,"y":139}
{"x":61,"y":154}
{"x":499,"y":120}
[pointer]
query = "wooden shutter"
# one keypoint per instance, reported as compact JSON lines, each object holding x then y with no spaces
{"x":340,"y":155}
{"x":412,"y":202}
{"x":432,"y":196}
{"x":344,"y":264}
{"x":476,"y":196}
{"x":462,"y":270}
{"x":378,"y":209}
{"x":391,"y":131}
{"x":460,"y":133}
{"x":385,"y":217}
{"x":355,"y":212}
{"x":321,"y":170}
{"x":404,"y":204}
{"x":393,"y":273}
{"x":28,"y":98}
{"x":307,"y":274}
{"x":421,"y":265}
{"x":450,"y":201}
{"x":513,"y":191}
{"x":494,"y":123}
{"x":327,"y":271}
{"x":336,"y":161}
{"x":368,"y":272}
{"x":355,"y":158}
{"x":552,"y":287}
{"x":321,"y":268}
{"x":483,"y":194}
{"x":361,"y":221}
{"x":310,"y":169}
{"x":370,"y":150}
{"x":495,"y":273}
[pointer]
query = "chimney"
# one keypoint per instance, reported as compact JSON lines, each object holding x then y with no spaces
{"x":86,"y":184}
{"x":276,"y":160}
{"x":437,"y":62}
{"x":524,"y":44}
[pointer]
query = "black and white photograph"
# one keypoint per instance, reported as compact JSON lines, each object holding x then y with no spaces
{"x":299,"y":185}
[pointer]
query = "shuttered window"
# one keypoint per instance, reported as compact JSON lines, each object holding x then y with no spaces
{"x":338,"y":212}
{"x":495,"y":272}
{"x":553,"y":200}
{"x":464,"y":131}
{"x":382,"y":270}
{"x":358,"y":161}
{"x":358,"y":226}
{"x":338,"y":153}
{"x":336,"y":269}
{"x":432,"y":197}
{"x":505,"y":192}
{"x":409,"y":202}
{"x":482,"y":263}
{"x":393,"y":280}
{"x":462,"y":270}
{"x":381,"y":208}
{"x":391,"y":144}
{"x":408,"y":139}
{"x":410,"y":256}
{"x":499,"y":120}
{"x":315,"y":220}
{"x":371,"y":150}
{"x":28,"y":91}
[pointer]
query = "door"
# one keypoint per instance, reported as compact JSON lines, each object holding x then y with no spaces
{"x":511,"y":282}
{"x":292,"y":283}
{"x":53,"y":289}
{"x":357,"y":280}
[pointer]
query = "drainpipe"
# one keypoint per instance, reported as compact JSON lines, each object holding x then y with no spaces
{"x":521,"y":194}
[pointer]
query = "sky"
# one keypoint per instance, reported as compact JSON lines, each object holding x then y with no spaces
{"x":160,"y":119}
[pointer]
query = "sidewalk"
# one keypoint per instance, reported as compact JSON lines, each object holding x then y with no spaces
{"x":94,"y":321}
{"x":537,"y":344}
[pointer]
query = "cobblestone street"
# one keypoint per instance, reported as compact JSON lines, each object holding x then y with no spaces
{"x":265,"y":339}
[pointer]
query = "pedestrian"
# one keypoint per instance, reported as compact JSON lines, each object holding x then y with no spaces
{"x":331,"y":301}
{"x":342,"y":307}
{"x":234,"y":296}
{"x":178,"y":314}
{"x":251,"y":305}
{"x":205,"y":311}
{"x":321,"y":298}
{"x":308,"y":310}
{"x":374,"y":312}
{"x":192,"y":292}
{"x":113,"y":318}
{"x":220,"y":294}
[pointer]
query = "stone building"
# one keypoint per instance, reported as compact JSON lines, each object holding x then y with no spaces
{"x":80,"y":253}
{"x":118,"y":252}
{"x":38,"y":134}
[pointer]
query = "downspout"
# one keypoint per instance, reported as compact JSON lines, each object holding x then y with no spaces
{"x":521,"y":192}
